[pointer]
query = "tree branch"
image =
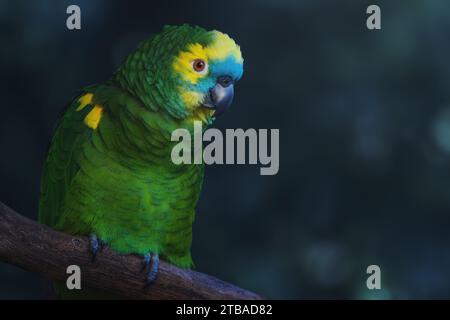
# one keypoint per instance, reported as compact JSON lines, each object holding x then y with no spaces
{"x":40,"y":249}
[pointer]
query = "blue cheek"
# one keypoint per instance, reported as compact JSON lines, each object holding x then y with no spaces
{"x":216,"y":69}
{"x":204,"y":84}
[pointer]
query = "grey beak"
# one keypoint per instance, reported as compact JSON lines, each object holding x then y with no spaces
{"x":221,"y":95}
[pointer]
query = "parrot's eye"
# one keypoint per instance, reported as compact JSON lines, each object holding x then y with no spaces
{"x":199,"y":66}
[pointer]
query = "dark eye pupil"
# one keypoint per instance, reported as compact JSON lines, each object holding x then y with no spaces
{"x":199,"y":65}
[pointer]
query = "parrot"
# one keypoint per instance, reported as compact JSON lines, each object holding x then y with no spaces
{"x":108,"y":173}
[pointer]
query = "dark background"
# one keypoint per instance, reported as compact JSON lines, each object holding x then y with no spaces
{"x":364,"y":119}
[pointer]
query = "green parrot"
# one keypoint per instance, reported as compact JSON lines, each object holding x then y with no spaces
{"x":109,"y":174}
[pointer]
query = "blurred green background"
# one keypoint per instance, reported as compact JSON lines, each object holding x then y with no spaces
{"x":364,"y":119}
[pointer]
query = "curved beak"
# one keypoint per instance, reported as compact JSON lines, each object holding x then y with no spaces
{"x":220,"y":96}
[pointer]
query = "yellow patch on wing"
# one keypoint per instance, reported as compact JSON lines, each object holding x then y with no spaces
{"x":94,"y":116}
{"x":85,"y":100}
{"x":223,"y":47}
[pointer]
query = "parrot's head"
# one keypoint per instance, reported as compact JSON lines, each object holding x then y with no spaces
{"x":185,"y":71}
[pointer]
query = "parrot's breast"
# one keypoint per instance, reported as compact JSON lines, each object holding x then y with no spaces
{"x":127,"y":191}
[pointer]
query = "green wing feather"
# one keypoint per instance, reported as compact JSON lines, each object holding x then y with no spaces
{"x":61,"y":164}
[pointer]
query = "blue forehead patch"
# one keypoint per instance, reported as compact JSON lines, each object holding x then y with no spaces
{"x":228,"y":66}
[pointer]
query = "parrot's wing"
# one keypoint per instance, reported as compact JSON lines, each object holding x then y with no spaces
{"x":61,"y":164}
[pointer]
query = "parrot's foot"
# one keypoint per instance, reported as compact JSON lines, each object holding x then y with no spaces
{"x":95,"y":244}
{"x":151,"y":276}
{"x":146,"y":261}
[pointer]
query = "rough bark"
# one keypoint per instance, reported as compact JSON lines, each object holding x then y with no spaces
{"x":42,"y":250}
